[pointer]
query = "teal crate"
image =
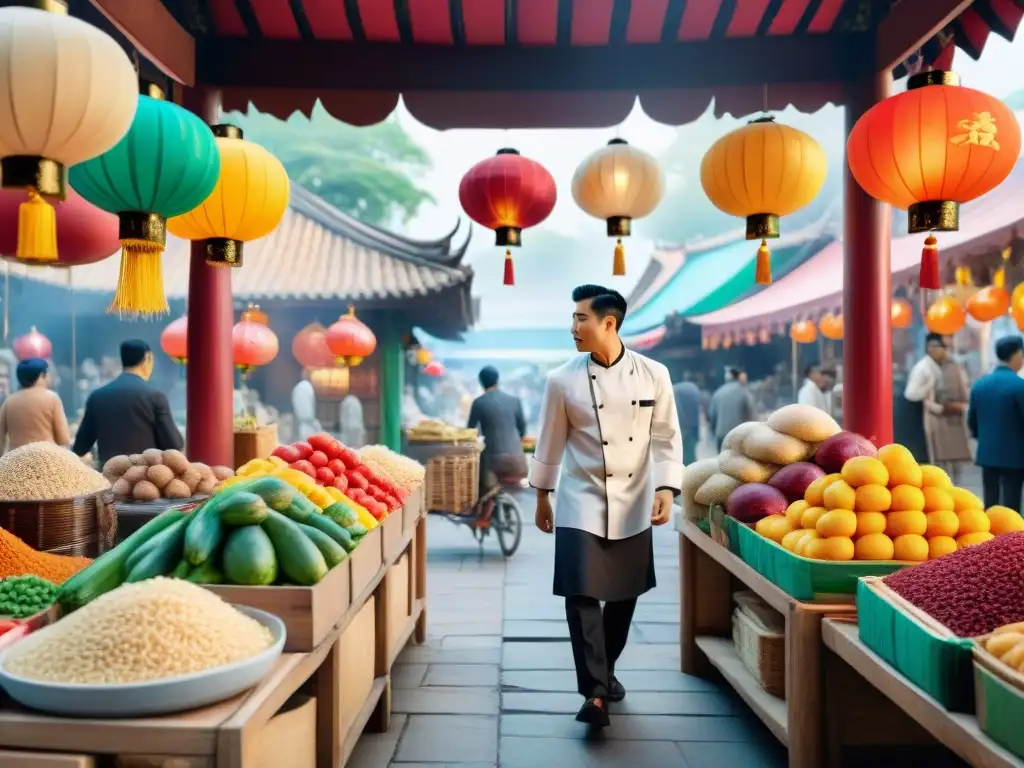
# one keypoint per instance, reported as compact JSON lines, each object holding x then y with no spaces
{"x":927,"y":654}
{"x":1000,"y":703}
{"x":800,"y":577}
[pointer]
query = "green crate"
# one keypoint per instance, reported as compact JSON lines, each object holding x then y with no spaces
{"x":800,"y":577}
{"x":933,"y":659}
{"x":1000,"y":709}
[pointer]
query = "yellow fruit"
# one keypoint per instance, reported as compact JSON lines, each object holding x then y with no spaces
{"x":803,"y":541}
{"x":939,"y":546}
{"x":906,"y":497}
{"x":1017,"y":626}
{"x":873,"y":546}
{"x":870,"y":522}
{"x":865,"y":470}
{"x":815,"y":549}
{"x":840,"y":495}
{"x":934,"y":477}
{"x":795,"y":510}
{"x":790,"y":539}
{"x":894,"y":452}
{"x":970,"y":539}
{"x":773,"y":527}
{"x":936,"y":498}
{"x":814,"y":495}
{"x":910,"y":547}
{"x":873,"y":498}
{"x":902,"y":468}
{"x":761,"y":526}
{"x":837,"y":522}
{"x":836,"y":548}
{"x":942,"y":522}
{"x":1004,"y":520}
{"x":910,"y":521}
{"x":963,"y":499}
{"x":809,"y":519}
{"x":973,"y":521}
{"x":1014,"y":657}
{"x":1002,"y":642}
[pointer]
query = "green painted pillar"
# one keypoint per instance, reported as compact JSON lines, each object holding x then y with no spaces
{"x":392,"y":386}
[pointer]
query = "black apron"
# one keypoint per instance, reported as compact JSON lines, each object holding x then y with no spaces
{"x":604,"y":569}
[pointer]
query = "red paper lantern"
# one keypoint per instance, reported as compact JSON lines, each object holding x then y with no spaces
{"x":85,"y":234}
{"x":349,"y":340}
{"x":253,"y":343}
{"x":174,"y":340}
{"x":931,"y":148}
{"x":508,"y":193}
{"x":310,"y":347}
{"x":434,"y":368}
{"x":32,"y":344}
{"x":902,"y":314}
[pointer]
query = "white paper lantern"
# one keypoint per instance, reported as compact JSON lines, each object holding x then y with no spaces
{"x":618,"y":183}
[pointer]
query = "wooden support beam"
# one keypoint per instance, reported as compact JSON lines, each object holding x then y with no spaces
{"x":264,"y":63}
{"x":158,"y":36}
{"x":911,"y":24}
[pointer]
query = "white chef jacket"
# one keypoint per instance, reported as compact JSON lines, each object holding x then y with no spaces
{"x":609,"y":437}
{"x":811,"y":394}
{"x":921,"y":383}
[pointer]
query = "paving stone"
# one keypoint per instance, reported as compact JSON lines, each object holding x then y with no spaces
{"x":428,"y":655}
{"x":634,"y":727}
{"x":444,"y":765}
{"x":559,"y":656}
{"x":445,"y":701}
{"x":408,"y":675}
{"x":598,"y":752}
{"x":463,"y":626}
{"x":634,"y":680}
{"x":657,"y":613}
{"x":636,"y":703}
{"x":471,"y":641}
{"x":544,"y":630}
{"x":449,"y":739}
{"x":465,"y":675}
{"x":655,"y":633}
{"x":716,"y":755}
{"x":375,"y":750}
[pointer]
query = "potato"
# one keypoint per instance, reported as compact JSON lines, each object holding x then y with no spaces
{"x":116,"y":466}
{"x":176,"y":460}
{"x":145,"y":491}
{"x":138,"y":460}
{"x":203,"y":468}
{"x":153,"y":456}
{"x":122,"y":488}
{"x":159,"y":475}
{"x":135,"y":474}
{"x":191,"y":477}
{"x":206,"y":486}
{"x":222,"y":473}
{"x":176,"y":489}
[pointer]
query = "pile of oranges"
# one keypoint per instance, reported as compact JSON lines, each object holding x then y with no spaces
{"x":886,"y":507}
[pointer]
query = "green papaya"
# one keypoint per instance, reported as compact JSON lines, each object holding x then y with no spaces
{"x":249,"y":557}
{"x":297,"y":556}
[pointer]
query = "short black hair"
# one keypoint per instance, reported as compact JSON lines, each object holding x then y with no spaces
{"x":29,"y":370}
{"x":604,"y":301}
{"x":1008,"y":346}
{"x":934,"y":338}
{"x":811,"y":369}
{"x":488,"y":376}
{"x":133,"y":352}
{"x":735,"y":372}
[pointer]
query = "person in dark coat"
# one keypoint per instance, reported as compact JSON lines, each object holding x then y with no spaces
{"x":128,"y":415}
{"x":499,"y":417}
{"x":995,"y":417}
{"x":688,"y":404}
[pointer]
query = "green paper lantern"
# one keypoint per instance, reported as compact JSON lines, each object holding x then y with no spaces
{"x":166,"y":165}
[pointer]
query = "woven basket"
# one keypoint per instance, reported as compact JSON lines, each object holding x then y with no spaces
{"x":452,"y":482}
{"x":760,"y":639}
{"x":85,"y":526}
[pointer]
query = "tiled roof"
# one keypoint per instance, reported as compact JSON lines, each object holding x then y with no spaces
{"x":317,"y":252}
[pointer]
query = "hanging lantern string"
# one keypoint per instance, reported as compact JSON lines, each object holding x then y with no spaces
{"x":510,"y":274}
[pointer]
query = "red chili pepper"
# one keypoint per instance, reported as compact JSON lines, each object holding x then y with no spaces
{"x":7,"y":625}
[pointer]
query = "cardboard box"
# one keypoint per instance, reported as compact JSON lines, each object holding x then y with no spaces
{"x":354,"y":665}
{"x":258,"y":444}
{"x":366,"y":561}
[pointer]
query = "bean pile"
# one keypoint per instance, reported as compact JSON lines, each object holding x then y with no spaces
{"x":972,"y":591}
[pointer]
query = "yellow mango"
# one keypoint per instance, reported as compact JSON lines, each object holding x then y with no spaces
{"x":320,"y":497}
{"x":1002,"y":643}
{"x":254,"y":466}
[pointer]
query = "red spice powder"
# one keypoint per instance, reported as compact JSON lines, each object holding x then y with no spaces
{"x":972,"y":591}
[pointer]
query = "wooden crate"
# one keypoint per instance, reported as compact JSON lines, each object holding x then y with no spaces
{"x":258,"y":444}
{"x":358,"y":686}
{"x":400,"y":599}
{"x":366,"y":562}
{"x":44,"y":760}
{"x":412,"y":510}
{"x":392,"y":534}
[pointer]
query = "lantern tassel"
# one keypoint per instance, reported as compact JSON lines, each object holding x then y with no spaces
{"x":929,"y":277}
{"x":999,"y":278}
{"x":37,"y":229}
{"x":510,"y":274}
{"x":619,"y":262}
{"x":763,"y":270}
{"x":140,"y":285}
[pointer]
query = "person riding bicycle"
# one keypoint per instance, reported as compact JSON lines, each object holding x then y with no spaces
{"x":499,"y":418}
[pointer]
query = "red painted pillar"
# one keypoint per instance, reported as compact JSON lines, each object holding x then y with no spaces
{"x":211,"y":374}
{"x":867,"y":289}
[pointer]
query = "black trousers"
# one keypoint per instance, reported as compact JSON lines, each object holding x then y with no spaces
{"x":598,"y":637}
{"x":1002,"y":486}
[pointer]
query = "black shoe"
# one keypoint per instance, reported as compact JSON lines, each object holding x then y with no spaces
{"x":616,"y":692}
{"x":593,"y":715}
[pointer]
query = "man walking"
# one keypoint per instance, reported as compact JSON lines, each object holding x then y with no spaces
{"x":687,"y":398}
{"x":995,"y":417}
{"x":499,"y":417}
{"x":731,"y":405}
{"x":610,"y":442}
{"x":813,"y":390}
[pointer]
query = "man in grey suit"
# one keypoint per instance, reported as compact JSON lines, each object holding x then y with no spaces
{"x":687,"y":397}
{"x":731,"y":405}
{"x":499,"y":417}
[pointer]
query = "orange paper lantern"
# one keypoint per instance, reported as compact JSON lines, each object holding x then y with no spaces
{"x":350,"y":340}
{"x":310,"y":348}
{"x":174,"y":340}
{"x":931,"y":148}
{"x":902,"y":314}
{"x":988,"y":304}
{"x":252,"y":341}
{"x":803,"y":332}
{"x":945,"y":316}
{"x":831,"y":326}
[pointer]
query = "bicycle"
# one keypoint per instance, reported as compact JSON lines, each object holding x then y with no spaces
{"x":498,"y":511}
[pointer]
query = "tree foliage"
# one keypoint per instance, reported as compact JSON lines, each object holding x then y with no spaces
{"x":370,"y":172}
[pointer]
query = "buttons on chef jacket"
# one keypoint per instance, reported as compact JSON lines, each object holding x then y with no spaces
{"x":605,"y":442}
{"x":593,"y":377}
{"x":634,"y":402}
{"x":631,"y":439}
{"x":607,"y":475}
{"x":630,"y":474}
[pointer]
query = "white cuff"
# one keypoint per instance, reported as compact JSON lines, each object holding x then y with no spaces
{"x":544,"y":476}
{"x":668,"y":474}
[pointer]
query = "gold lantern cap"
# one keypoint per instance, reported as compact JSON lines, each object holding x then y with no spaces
{"x":152,"y":90}
{"x":932,"y":77}
{"x":254,"y":314}
{"x":227,"y":131}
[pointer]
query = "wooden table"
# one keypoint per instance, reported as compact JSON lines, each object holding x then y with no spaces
{"x":958,"y":732}
{"x":709,"y":574}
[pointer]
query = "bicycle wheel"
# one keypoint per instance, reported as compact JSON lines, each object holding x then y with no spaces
{"x":508,"y":523}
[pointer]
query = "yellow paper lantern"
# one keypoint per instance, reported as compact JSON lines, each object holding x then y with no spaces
{"x":618,"y":183}
{"x":67,"y":94}
{"x":248,"y":203}
{"x":762,"y":171}
{"x":423,"y":356}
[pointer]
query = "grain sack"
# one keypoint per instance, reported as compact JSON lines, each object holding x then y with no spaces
{"x":745,"y":469}
{"x":716,"y":489}
{"x":765,"y":444}
{"x":804,"y":422}
{"x":694,"y":477}
{"x":734,"y":438}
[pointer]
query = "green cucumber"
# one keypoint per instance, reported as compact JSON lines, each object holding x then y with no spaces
{"x":275,"y":491}
{"x":357,"y":531}
{"x":162,"y":557}
{"x":249,"y":558}
{"x":301,"y":509}
{"x":181,"y":570}
{"x":298,"y":557}
{"x":205,"y":530}
{"x":245,"y":508}
{"x":332,"y":551}
{"x":207,"y":573}
{"x":324,"y":524}
{"x":342,"y":514}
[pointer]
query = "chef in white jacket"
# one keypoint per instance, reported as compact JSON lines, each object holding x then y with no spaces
{"x":611,"y":451}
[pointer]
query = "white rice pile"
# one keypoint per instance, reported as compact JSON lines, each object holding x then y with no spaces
{"x":44,"y":471}
{"x":397,"y":468}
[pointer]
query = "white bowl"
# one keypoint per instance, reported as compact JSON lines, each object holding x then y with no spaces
{"x":150,"y":697}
